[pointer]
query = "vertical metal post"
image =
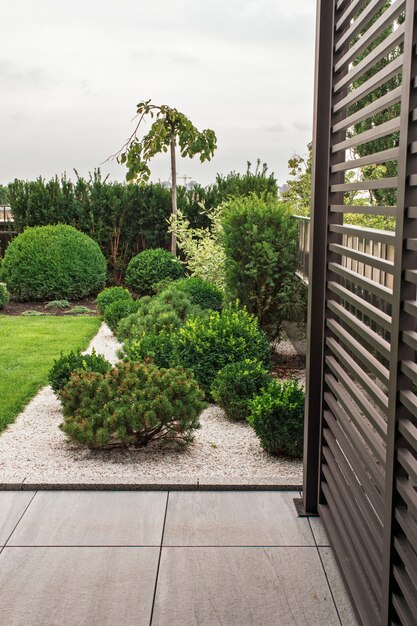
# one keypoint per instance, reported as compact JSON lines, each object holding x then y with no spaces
{"x":317,"y":260}
{"x":402,"y":290}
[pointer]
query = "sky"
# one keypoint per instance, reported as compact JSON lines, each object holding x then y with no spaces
{"x":71,"y":74}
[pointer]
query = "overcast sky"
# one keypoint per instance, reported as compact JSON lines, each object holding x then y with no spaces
{"x":72,"y":72}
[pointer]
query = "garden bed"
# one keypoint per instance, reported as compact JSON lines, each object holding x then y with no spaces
{"x":17,"y":308}
{"x":34,"y":451}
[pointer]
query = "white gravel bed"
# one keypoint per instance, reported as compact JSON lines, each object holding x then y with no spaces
{"x":34,"y":449}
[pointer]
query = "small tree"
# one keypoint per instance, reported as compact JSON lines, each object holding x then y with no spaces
{"x":169,"y":128}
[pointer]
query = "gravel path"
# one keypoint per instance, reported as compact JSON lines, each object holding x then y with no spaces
{"x":34,"y":450}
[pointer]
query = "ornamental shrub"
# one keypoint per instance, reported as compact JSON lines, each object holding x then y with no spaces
{"x":260,"y":242}
{"x":150,"y":267}
{"x":201,"y":292}
{"x":58,"y":304}
{"x":118,"y":310}
{"x":63,"y":367}
{"x":277,"y":416}
{"x":131,"y":405}
{"x":4,"y":296}
{"x":53,"y":262}
{"x":236,"y":384}
{"x":110,"y":295}
{"x":205,"y":344}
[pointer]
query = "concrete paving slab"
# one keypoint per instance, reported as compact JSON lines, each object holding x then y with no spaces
{"x":12,"y":506}
{"x":319,"y":532}
{"x":74,"y":586}
{"x":92,"y":518}
{"x":242,"y":587}
{"x":235,"y":518}
{"x":340,"y":595}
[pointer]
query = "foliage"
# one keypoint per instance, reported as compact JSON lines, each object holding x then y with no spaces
{"x":201,"y":292}
{"x":236,"y":384}
{"x":58,"y":304}
{"x":79,"y":310}
{"x":132,"y":405}
{"x":110,"y":295}
{"x":32,"y":313}
{"x":260,"y":242}
{"x":118,"y":310}
{"x":299,"y":187}
{"x":202,"y":247}
{"x":206,"y":344}
{"x":4,"y":296}
{"x":53,"y":262}
{"x":151,"y":266}
{"x":277,"y":416}
{"x":74,"y":361}
{"x":29,"y":346}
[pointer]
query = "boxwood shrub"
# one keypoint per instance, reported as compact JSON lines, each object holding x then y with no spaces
{"x":201,"y":292}
{"x":118,"y":310}
{"x":63,"y":367}
{"x":150,"y":267}
{"x":110,"y":295}
{"x":53,"y":262}
{"x":205,"y":344}
{"x":131,"y":405}
{"x":236,"y":384}
{"x":277,"y":416}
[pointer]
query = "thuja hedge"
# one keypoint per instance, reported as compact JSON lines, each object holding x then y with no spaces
{"x":123,"y":219}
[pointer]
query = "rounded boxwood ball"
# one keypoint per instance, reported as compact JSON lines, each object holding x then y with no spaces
{"x":53,"y":262}
{"x":150,"y":267}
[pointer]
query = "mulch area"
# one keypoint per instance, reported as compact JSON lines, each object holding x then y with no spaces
{"x":17,"y":308}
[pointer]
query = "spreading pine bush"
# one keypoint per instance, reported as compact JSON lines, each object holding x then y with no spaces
{"x":63,"y":367}
{"x":110,"y":295}
{"x":4,"y":296}
{"x":277,"y":416}
{"x":132,"y":405}
{"x":150,"y":267}
{"x":118,"y":310}
{"x":53,"y":262}
{"x":201,"y":292}
{"x":238,"y":383}
{"x":205,"y":344}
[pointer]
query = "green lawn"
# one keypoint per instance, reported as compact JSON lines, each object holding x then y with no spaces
{"x":28,"y":347}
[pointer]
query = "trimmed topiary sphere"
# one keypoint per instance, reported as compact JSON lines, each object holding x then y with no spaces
{"x":61,"y":371}
{"x":110,"y":295}
{"x":4,"y":296}
{"x":238,"y":383}
{"x":277,"y":415}
{"x":118,"y":310}
{"x":53,"y":262}
{"x":132,"y":405}
{"x":201,"y":292}
{"x":150,"y":267}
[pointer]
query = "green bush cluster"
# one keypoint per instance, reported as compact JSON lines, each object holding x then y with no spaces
{"x":131,"y":405}
{"x":118,"y":310}
{"x":53,"y":262}
{"x":150,"y":267}
{"x":4,"y":296}
{"x":110,"y":295}
{"x":201,"y":292}
{"x":237,"y":384}
{"x":277,"y":415}
{"x":260,"y":241}
{"x":206,"y":344}
{"x":67,"y":364}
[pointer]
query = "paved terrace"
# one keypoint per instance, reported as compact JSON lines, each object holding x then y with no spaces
{"x":165,"y":558}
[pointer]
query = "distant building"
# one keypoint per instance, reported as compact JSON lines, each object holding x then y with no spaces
{"x":6,"y":216}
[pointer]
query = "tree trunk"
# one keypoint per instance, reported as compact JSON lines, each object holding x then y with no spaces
{"x":174,"y":194}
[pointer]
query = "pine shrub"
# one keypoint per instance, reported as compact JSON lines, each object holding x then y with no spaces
{"x":53,"y":262}
{"x":67,"y":364}
{"x":110,"y":295}
{"x":238,"y":383}
{"x":277,"y":415}
{"x":131,"y":405}
{"x":150,"y":267}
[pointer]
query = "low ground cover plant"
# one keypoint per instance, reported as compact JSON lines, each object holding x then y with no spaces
{"x":4,"y":296}
{"x":53,"y":262}
{"x":151,"y":266}
{"x":132,"y":405}
{"x":58,"y":304}
{"x":237,"y":384}
{"x":110,"y":295}
{"x":206,"y":344}
{"x":277,"y":415}
{"x":75,"y":361}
